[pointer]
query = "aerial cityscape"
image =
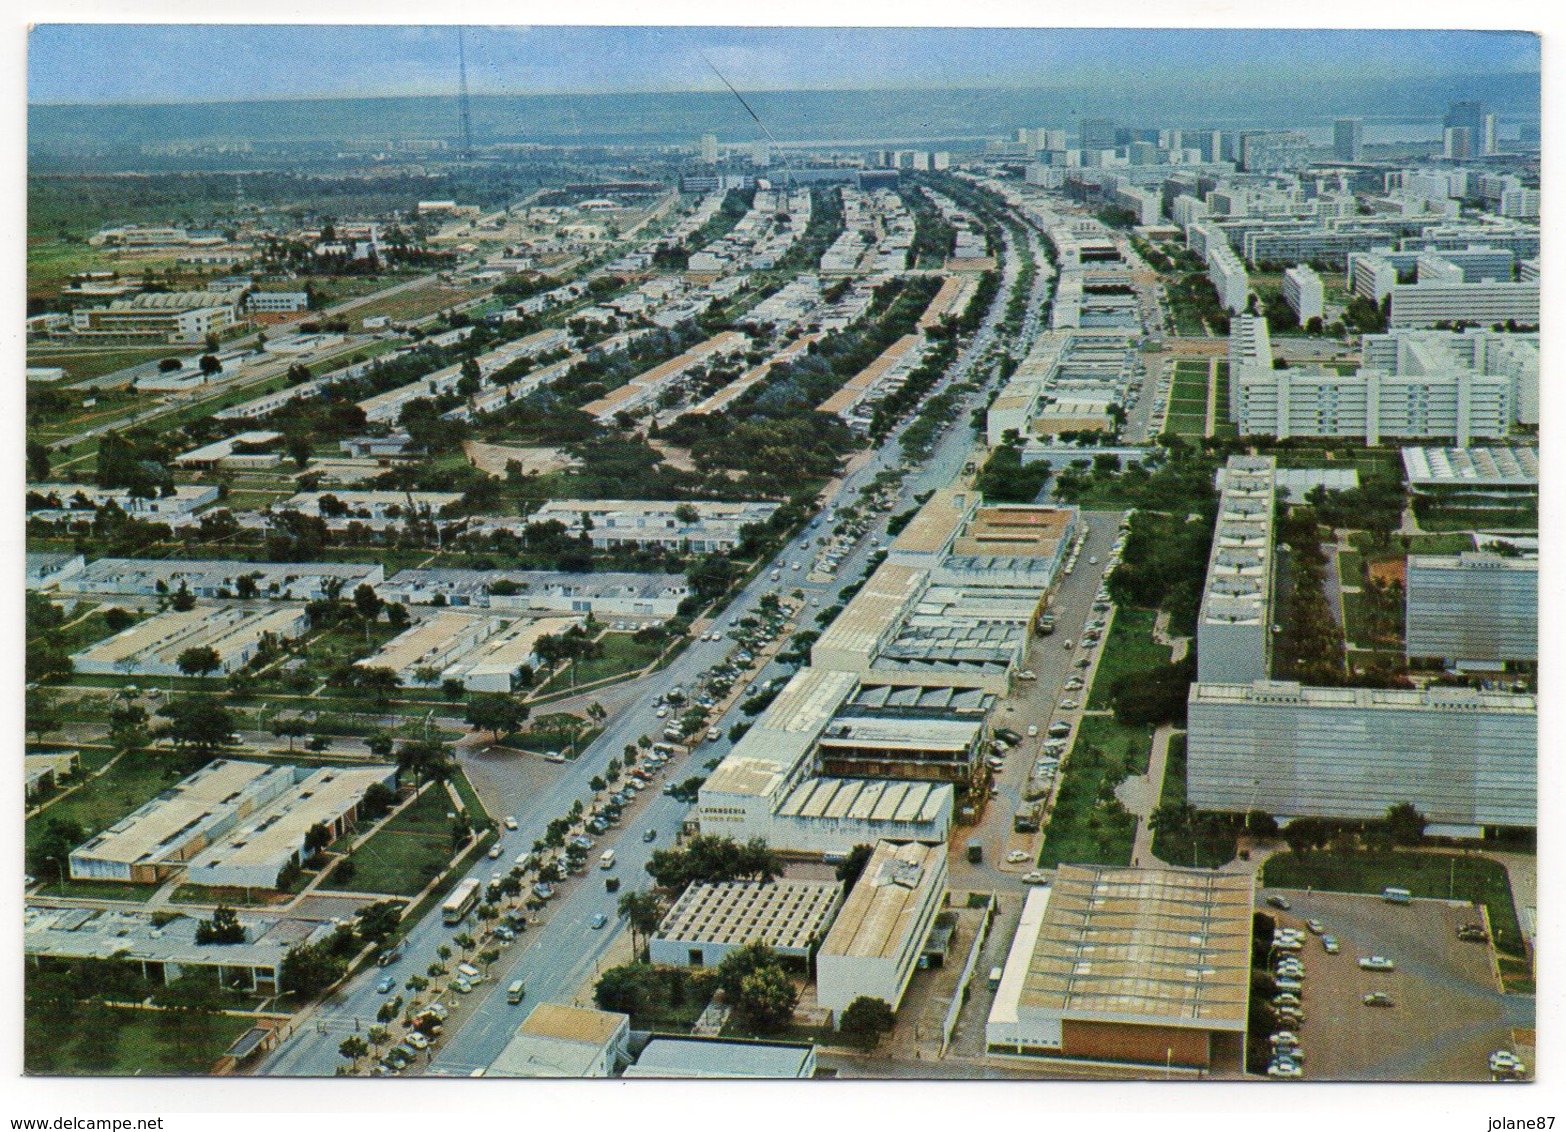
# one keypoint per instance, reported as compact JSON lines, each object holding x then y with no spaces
{"x":722,"y":553}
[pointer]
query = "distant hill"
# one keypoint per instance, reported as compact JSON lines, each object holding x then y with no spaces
{"x":845,"y":116}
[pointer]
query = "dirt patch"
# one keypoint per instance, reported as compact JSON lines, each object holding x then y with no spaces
{"x":675,"y":457}
{"x":492,"y":459}
{"x":1384,"y":571}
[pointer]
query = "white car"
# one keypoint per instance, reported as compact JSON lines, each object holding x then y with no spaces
{"x":1016,"y":856}
{"x":510,"y":822}
{"x":1285,"y":1038}
{"x":1068,"y":705}
{"x":416,"y":1040}
{"x":1376,"y":963}
{"x":1285,"y":1068}
{"x":1033,"y":730}
{"x":1037,"y":876}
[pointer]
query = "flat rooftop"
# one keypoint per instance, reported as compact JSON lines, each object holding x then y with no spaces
{"x":866,"y":620}
{"x":1460,"y":700}
{"x":692,"y":1057}
{"x":885,"y":902}
{"x":431,"y":641}
{"x":864,"y":800}
{"x":1479,"y":467}
{"x":1164,"y":945}
{"x":933,"y":527}
{"x":162,"y":638}
{"x":784,"y":914}
{"x":92,"y":933}
{"x":154,"y":831}
{"x":782,"y":738}
{"x":1015,"y":532}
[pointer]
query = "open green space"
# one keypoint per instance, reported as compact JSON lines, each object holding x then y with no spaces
{"x":1440,"y":876}
{"x":622,"y":653}
{"x":1351,"y":568}
{"x":135,"y":778}
{"x":1208,"y":841}
{"x":82,"y":364}
{"x":1369,"y":462}
{"x":1088,"y":824}
{"x":99,"y":889}
{"x":406,"y":853}
{"x":1448,"y":519}
{"x":100,"y":1040}
{"x":1129,"y":648}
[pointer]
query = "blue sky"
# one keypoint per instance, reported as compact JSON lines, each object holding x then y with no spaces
{"x":173,"y":63}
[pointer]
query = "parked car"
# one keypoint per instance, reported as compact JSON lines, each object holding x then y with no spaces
{"x":1377,"y":998}
{"x":1376,"y":963}
{"x":416,"y":1039}
{"x":1037,"y":876}
{"x":1278,"y":902}
{"x":1285,"y":1069}
{"x":509,"y":822}
{"x":598,"y":921}
{"x":386,"y":985}
{"x":1329,"y":944}
{"x":1314,"y":927}
{"x":1016,"y":856}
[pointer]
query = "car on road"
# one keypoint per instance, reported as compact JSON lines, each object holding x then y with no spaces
{"x":598,"y":921}
{"x":1016,"y":856}
{"x":1027,"y":674}
{"x":494,"y":851}
{"x":1033,"y":730}
{"x":1314,"y":927}
{"x":1278,"y":902}
{"x":1285,"y":1069}
{"x":662,"y":713}
{"x":1473,"y":933}
{"x":1377,"y":998}
{"x":650,"y":835}
{"x":416,"y":1040}
{"x":1074,"y":684}
{"x":1329,"y":944}
{"x":509,"y":822}
{"x":1068,"y":705}
{"x":1376,"y":963}
{"x":386,"y":985}
{"x":1503,"y":1062}
{"x":1083,"y":661}
{"x":1037,"y":876}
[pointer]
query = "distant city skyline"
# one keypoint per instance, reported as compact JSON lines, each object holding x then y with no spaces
{"x":261,"y":62}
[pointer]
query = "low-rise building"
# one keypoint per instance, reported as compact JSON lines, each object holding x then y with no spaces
{"x":565,"y":1041}
{"x":701,"y":526}
{"x":163,"y":944}
{"x":607,"y":595}
{"x":1478,"y":611}
{"x":55,"y":502}
{"x":153,"y":647}
{"x":1140,"y":965}
{"x":874,"y":946}
{"x":281,"y":581}
{"x":687,"y":1057}
{"x":710,"y":920}
{"x":46,"y":571}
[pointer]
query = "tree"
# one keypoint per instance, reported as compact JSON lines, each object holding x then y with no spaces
{"x":378,"y":799}
{"x":497,"y":713}
{"x":865,"y":1019}
{"x":199,"y":661}
{"x":47,"y":856}
{"x":381,"y":683}
{"x":118,"y":620}
{"x":183,"y":600}
{"x":316,"y":838}
{"x":766,"y":998}
{"x":223,"y":927}
{"x":643,"y":912}
{"x":367,"y":603}
{"x":710,"y":858}
{"x":210,"y":365}
{"x":854,"y":864}
{"x":425,"y":759}
{"x":353,"y":1048}
{"x":37,"y":461}
{"x":290,"y":727}
{"x":199,"y":726}
{"x":1405,"y":824}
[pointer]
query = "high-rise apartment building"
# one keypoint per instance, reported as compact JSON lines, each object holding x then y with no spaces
{"x":709,"y":149}
{"x":1347,"y":139}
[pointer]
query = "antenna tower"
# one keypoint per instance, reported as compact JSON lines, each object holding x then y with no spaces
{"x":462,"y":100}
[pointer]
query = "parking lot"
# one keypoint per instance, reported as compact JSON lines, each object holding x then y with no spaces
{"x":1448,"y":1014}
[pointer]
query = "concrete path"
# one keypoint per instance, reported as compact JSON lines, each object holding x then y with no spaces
{"x":1211,"y":423}
{"x":1140,"y":795}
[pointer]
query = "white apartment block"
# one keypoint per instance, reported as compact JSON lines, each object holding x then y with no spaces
{"x":1228,"y":277}
{"x":1302,"y":291}
{"x":1476,"y":610}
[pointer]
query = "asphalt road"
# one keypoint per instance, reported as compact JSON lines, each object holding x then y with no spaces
{"x":556,"y":958}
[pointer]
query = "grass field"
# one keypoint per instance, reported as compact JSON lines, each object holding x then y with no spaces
{"x":622,"y":654}
{"x":1129,"y":648}
{"x":1368,"y":461}
{"x":123,"y":1042}
{"x":85,"y":363}
{"x":136,"y":778}
{"x":1188,"y":399}
{"x":1207,"y":849}
{"x":1088,"y":825}
{"x":1441,"y":876}
{"x":407,"y":852}
{"x":1351,"y":568}
{"x":414,"y":303}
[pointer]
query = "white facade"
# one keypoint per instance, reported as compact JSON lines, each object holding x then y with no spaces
{"x":874,"y":946}
{"x":1473,"y":609}
{"x":1302,"y":291}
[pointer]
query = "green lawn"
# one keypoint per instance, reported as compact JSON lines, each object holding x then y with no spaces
{"x":1451,"y":519}
{"x":1351,"y":568}
{"x":99,"y":889}
{"x":136,"y":778}
{"x":407,"y":853}
{"x":1088,"y":824}
{"x":123,"y":1042}
{"x":622,"y":653}
{"x":1129,"y":648}
{"x":1211,"y":846}
{"x":1438,"y":875}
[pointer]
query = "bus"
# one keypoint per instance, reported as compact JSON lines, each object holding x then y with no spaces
{"x":461,"y":901}
{"x":1397,"y":895}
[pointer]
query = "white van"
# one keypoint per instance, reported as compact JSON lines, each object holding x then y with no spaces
{"x":607,"y":860}
{"x":469,"y":972}
{"x":515,"y":992}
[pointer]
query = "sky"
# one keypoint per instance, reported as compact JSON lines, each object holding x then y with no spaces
{"x":108,"y":63}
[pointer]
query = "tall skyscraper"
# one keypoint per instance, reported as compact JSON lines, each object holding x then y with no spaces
{"x":1481,"y":127}
{"x":761,"y":153}
{"x":709,"y":149}
{"x":1457,"y":143}
{"x":1347,"y":139}
{"x":1098,"y":133}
